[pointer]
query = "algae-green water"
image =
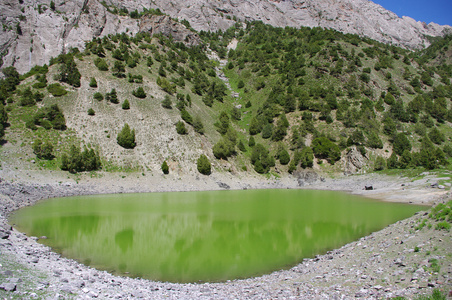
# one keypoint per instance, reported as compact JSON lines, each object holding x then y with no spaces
{"x":204,"y":236}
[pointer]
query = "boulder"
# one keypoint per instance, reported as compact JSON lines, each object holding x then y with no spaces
{"x":9,"y":287}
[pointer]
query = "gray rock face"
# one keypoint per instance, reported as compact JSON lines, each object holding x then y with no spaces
{"x":361,"y":17}
{"x":354,"y":161}
{"x":45,"y":33}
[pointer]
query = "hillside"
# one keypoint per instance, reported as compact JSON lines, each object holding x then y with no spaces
{"x":254,"y":98}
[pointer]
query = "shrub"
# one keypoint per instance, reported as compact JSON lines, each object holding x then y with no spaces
{"x":139,"y":93}
{"x":93,"y":82}
{"x":166,"y":103}
{"x":242,"y":147}
{"x":261,"y":159}
{"x":56,"y":90}
{"x":126,"y":138}
{"x":68,"y":70}
{"x":436,"y":136}
{"x":180,"y":128}
{"x":43,"y":150}
{"x":306,"y":158}
{"x":326,"y":149}
{"x":223,"y":149}
{"x":48,"y":117}
{"x":91,"y":112}
{"x":27,"y":99}
{"x":251,"y":141}
{"x":443,"y":225}
{"x":204,"y":166}
{"x":198,"y":126}
{"x":112,"y":96}
{"x":77,"y":161}
{"x":284,"y":157}
{"x":118,"y":69}
{"x":186,"y":116}
{"x":101,"y":64}
{"x":380,"y":164}
{"x":126,"y":104}
{"x":401,"y":143}
{"x":165,"y":168}
{"x":98,"y":96}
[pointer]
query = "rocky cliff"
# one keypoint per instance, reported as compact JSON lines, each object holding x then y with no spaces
{"x":33,"y":31}
{"x":361,"y":17}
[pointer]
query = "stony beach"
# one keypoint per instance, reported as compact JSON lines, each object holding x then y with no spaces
{"x":396,"y":261}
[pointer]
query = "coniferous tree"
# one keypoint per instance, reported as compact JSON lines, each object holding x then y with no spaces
{"x":166,"y":103}
{"x":139,"y":93}
{"x":93,"y":82}
{"x":198,"y":126}
{"x":126,"y":105}
{"x":165,"y":168}
{"x":126,"y":138}
{"x":180,"y":128}
{"x":112,"y":96}
{"x":43,"y":150}
{"x":203,"y":165}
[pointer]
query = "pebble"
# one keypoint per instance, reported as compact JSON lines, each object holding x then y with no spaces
{"x":384,"y":255}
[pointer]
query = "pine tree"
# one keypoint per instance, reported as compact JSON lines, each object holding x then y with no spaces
{"x":165,"y":168}
{"x":166,"y":103}
{"x":93,"y":82}
{"x":126,"y":105}
{"x":126,"y":138}
{"x":203,"y":165}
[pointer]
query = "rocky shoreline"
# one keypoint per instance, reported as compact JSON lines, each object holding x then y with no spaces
{"x":396,"y":261}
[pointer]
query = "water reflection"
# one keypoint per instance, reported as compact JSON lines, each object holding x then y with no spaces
{"x":124,"y":239}
{"x":187,"y":237}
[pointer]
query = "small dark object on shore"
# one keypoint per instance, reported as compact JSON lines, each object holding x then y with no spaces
{"x":368,"y":187}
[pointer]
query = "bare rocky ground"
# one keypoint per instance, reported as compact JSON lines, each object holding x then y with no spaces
{"x":396,"y":261}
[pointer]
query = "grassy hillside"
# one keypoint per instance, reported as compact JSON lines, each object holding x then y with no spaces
{"x":281,"y":100}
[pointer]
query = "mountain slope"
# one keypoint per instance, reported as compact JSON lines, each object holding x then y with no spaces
{"x":255,"y":99}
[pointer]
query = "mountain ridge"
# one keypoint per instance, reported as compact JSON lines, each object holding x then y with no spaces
{"x":33,"y":32}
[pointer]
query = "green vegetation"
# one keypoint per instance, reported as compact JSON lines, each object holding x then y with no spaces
{"x":78,"y":161}
{"x":180,"y":128}
{"x":203,"y":165}
{"x":43,"y":150}
{"x":126,"y":104}
{"x":165,"y":168}
{"x":56,"y":90}
{"x":93,"y":82}
{"x":139,"y":93}
{"x":48,"y":117}
{"x":126,"y":138}
{"x":289,"y":88}
{"x":441,"y":215}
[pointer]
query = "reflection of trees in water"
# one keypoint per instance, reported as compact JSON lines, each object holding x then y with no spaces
{"x":67,"y":228}
{"x":205,"y":239}
{"x":124,"y":239}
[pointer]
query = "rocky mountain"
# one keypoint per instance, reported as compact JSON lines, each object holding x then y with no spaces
{"x":35,"y":31}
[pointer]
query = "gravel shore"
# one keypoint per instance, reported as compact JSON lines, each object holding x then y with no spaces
{"x":396,"y":261}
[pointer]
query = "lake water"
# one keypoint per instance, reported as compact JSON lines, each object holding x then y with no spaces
{"x":204,"y":236}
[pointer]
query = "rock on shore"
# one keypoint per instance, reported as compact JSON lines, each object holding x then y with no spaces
{"x":396,"y":261}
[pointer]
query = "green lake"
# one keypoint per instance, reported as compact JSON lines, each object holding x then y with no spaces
{"x":204,"y":236}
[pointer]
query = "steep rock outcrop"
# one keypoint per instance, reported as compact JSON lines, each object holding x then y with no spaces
{"x":45,"y":33}
{"x":354,"y":161}
{"x":166,"y":26}
{"x":361,"y":17}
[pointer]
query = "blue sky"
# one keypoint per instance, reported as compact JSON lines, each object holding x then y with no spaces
{"x":438,"y":11}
